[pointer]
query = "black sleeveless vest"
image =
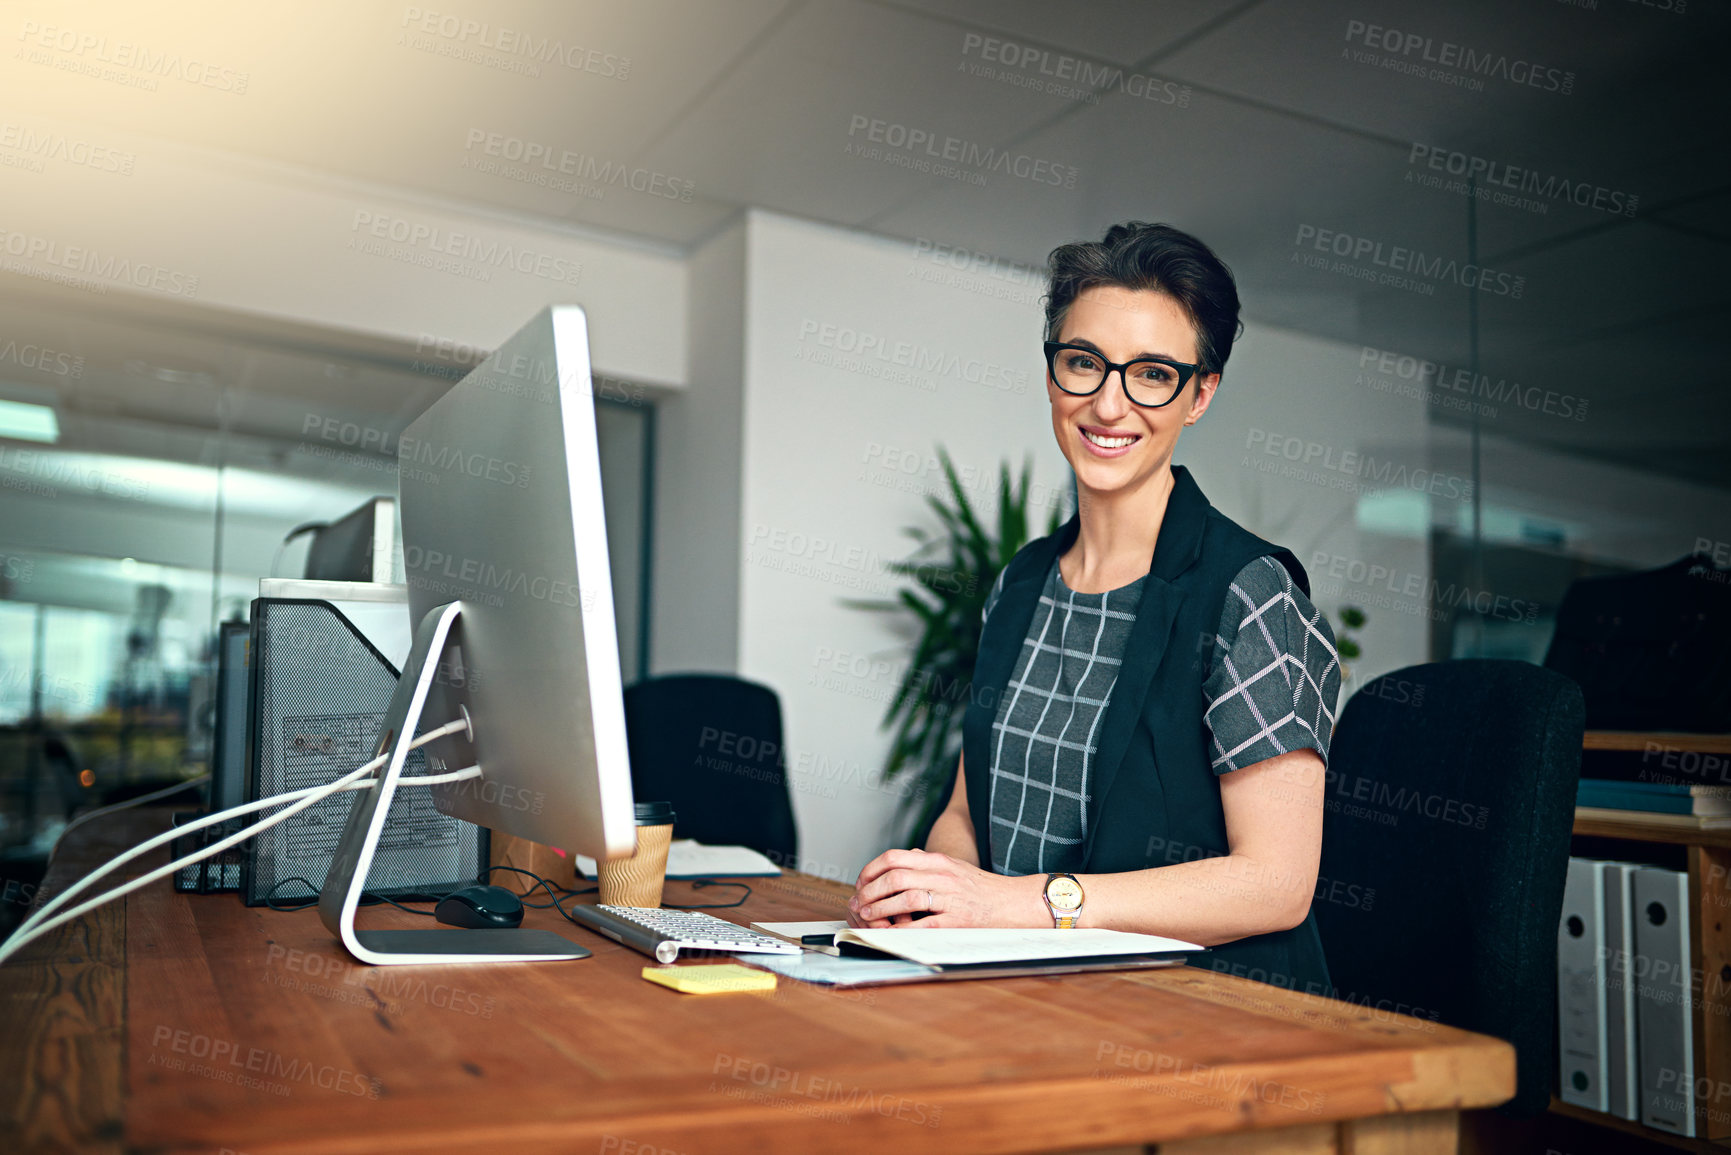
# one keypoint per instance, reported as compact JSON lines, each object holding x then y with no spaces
{"x":1155,"y":799}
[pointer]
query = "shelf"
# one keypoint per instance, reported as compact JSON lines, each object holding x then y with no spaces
{"x":1631,"y":1127}
{"x":1635,"y":826}
{"x":1708,"y":857}
{"x":1637,"y":741}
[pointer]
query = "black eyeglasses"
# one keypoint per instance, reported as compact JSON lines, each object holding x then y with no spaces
{"x":1149,"y":381}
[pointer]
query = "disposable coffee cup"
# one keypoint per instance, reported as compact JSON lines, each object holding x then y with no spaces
{"x":636,"y":881}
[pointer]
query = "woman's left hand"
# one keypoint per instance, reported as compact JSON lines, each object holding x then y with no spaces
{"x":898,"y":884}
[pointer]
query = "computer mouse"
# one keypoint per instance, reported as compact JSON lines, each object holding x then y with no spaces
{"x":480,"y":908}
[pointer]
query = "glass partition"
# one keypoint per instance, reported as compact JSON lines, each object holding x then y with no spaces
{"x":179,"y":453}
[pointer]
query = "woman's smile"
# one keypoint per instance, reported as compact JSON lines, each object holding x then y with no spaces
{"x":1104,"y":442}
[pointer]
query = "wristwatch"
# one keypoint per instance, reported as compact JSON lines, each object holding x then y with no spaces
{"x":1063,"y":895}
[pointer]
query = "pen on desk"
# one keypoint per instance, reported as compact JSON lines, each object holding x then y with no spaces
{"x":824,"y":943}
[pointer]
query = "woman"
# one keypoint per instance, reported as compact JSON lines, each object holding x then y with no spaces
{"x":1153,"y":698}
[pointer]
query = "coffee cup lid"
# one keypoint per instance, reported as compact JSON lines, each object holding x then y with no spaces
{"x":654,"y":813}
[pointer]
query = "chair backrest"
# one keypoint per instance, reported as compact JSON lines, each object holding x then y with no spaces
{"x":1450,"y":802}
{"x":711,"y":744}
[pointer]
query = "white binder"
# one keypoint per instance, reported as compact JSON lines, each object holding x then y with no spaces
{"x":1581,"y":986}
{"x":1664,"y":1010}
{"x":1622,"y":1081}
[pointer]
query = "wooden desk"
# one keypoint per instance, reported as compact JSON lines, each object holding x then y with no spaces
{"x":180,"y":1023}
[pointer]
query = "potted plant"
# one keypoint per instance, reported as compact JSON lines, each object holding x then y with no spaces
{"x":952,"y":570}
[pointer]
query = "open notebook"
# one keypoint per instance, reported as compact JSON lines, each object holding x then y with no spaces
{"x":975,"y":946}
{"x":909,"y":954}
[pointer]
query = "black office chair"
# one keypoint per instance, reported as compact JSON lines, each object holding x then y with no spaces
{"x":711,"y":744}
{"x":1451,"y":795}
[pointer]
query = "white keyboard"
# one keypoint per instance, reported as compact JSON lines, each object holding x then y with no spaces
{"x":662,"y":933}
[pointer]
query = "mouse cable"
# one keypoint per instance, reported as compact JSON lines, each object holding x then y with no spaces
{"x":696,"y":884}
{"x":368,"y":898}
{"x":553,"y":889}
{"x":555,"y":892}
{"x":40,"y":921}
{"x":704,"y":884}
{"x":373,"y":898}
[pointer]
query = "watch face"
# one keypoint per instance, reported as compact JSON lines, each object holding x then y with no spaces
{"x":1064,"y":893}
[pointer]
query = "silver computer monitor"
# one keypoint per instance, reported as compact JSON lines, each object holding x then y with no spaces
{"x":510,"y":596}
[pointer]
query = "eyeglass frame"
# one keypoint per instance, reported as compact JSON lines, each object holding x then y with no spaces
{"x":1185,"y":372}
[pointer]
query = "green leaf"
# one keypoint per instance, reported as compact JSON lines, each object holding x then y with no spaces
{"x":948,"y":575}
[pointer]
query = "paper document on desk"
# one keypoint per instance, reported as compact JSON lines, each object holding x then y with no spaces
{"x":829,"y":971}
{"x":689,"y":858}
{"x":973,"y":946}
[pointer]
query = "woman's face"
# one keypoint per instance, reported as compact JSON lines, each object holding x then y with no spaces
{"x":1122,"y":325}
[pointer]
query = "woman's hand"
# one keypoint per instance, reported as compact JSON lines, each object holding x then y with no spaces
{"x":899,"y":884}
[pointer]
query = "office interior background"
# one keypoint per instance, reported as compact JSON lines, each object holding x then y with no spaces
{"x":1481,"y":249}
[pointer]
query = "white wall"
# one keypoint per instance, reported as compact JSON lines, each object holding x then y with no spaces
{"x":695,"y":625}
{"x":299,"y":245}
{"x":830,"y":435}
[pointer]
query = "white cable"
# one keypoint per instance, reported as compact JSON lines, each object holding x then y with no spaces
{"x":139,"y":801}
{"x":348,"y":781}
{"x":24,"y":937}
{"x":168,"y":836}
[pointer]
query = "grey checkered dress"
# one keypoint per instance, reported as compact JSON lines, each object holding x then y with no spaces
{"x":1271,"y":684}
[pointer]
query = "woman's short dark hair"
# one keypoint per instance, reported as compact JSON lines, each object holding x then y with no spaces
{"x":1138,"y":255}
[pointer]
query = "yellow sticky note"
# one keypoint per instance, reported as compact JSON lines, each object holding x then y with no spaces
{"x":711,"y":979}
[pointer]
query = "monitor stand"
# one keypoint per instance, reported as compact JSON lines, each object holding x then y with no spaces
{"x":347,"y":877}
